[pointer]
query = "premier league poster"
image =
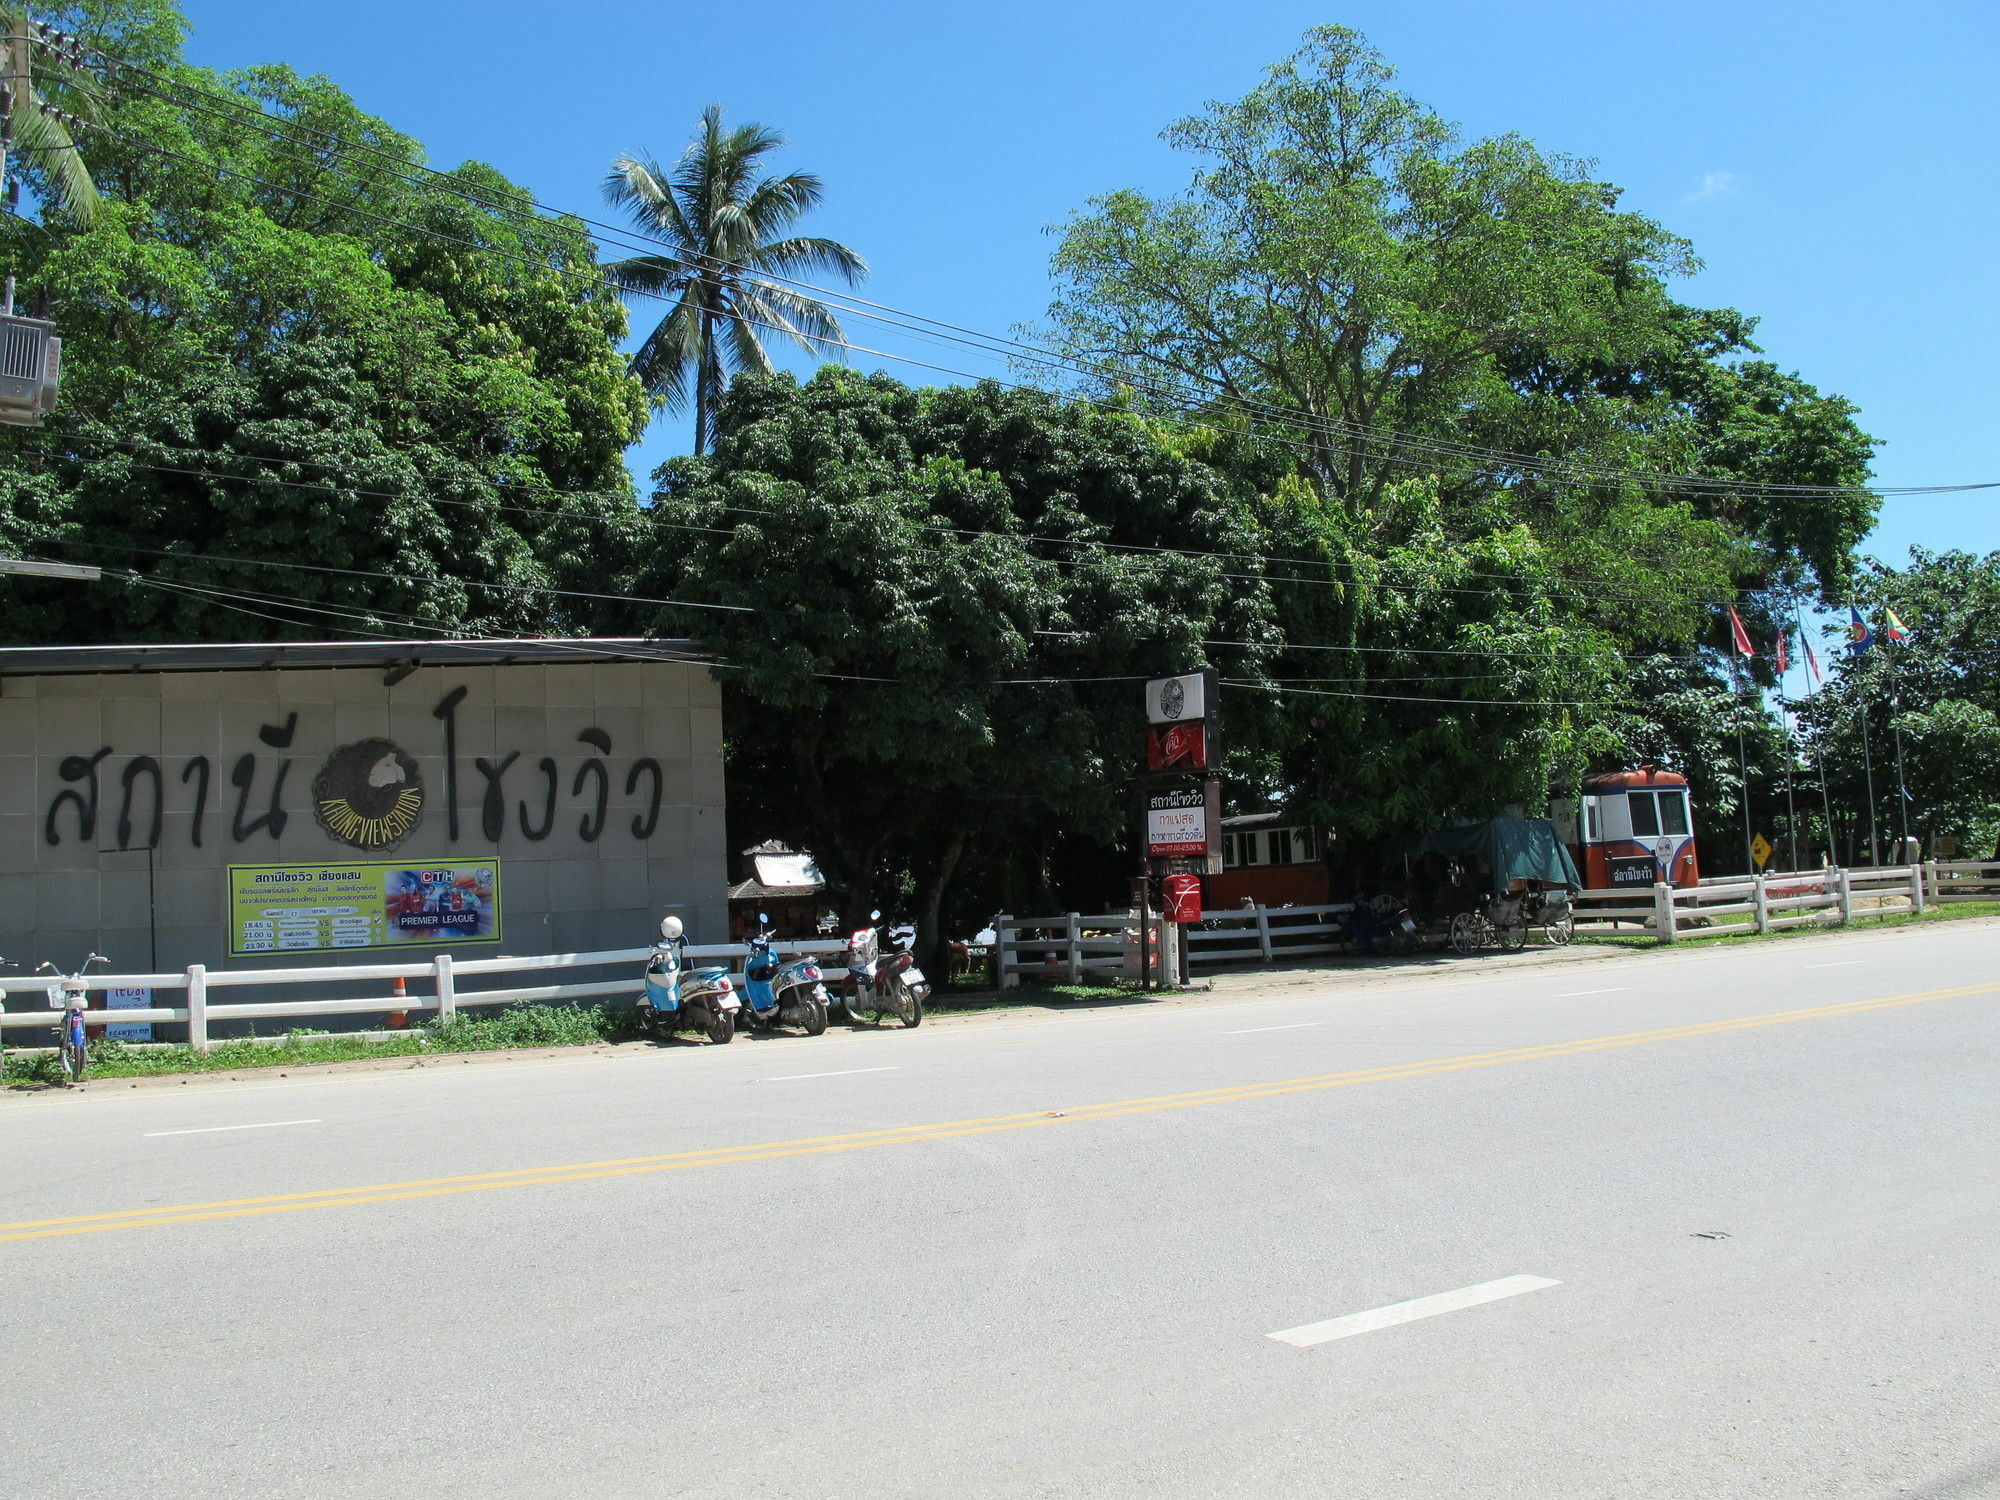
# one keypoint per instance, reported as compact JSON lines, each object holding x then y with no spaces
{"x":316,"y":908}
{"x":453,"y":903}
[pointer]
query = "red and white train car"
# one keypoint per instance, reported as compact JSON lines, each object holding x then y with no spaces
{"x":1633,"y":828}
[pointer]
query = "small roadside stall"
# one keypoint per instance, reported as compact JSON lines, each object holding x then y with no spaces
{"x":1487,"y":883}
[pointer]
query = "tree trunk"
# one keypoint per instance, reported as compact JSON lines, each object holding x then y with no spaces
{"x":930,"y":902}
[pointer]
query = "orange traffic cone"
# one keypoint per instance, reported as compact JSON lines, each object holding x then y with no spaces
{"x":398,"y":1019}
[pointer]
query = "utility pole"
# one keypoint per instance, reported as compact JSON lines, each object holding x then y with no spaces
{"x":20,"y":90}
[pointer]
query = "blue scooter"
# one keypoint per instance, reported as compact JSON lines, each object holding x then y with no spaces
{"x":678,"y":997}
{"x":781,"y":992}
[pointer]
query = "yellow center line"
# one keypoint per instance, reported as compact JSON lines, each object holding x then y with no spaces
{"x":482,"y":1182}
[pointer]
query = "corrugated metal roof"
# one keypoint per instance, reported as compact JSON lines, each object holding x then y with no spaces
{"x":376,"y":655}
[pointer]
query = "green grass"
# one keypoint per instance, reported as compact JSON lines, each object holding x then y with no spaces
{"x":513,"y":1026}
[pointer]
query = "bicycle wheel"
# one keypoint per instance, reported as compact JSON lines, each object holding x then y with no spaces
{"x":1514,"y":936}
{"x":1465,"y":932}
{"x":1562,"y":929}
{"x":75,"y":1055}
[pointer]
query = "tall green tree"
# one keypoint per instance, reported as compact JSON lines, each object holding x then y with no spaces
{"x":1938,"y":692}
{"x":284,"y":343}
{"x":1453,"y":375}
{"x":726,"y":266}
{"x":944,"y":602}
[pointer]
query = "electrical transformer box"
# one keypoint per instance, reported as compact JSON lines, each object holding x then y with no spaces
{"x":30,"y":369}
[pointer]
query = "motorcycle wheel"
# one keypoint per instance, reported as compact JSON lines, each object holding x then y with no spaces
{"x":1562,"y":930}
{"x":856,"y":1016}
{"x":721,"y":1026}
{"x":911,"y":1005}
{"x":813,"y":1019}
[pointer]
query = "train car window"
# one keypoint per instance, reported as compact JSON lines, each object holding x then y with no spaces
{"x":1674,"y":812}
{"x":1281,"y":846}
{"x":1590,"y":833}
{"x":1645,"y":810}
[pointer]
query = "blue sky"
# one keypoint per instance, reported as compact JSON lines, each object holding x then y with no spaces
{"x":1833,"y":162}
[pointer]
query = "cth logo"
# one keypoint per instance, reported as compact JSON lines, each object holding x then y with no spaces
{"x":369,"y":794}
{"x":1173,"y":698}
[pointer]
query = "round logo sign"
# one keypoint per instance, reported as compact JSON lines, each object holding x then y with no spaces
{"x":369,"y":794}
{"x":1173,"y":698}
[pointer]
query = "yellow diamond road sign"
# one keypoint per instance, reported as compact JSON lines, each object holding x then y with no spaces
{"x":1760,"y":850}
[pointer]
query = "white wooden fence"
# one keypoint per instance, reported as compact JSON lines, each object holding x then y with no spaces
{"x":1268,"y":934}
{"x":193,"y":986}
{"x":1064,"y":949}
{"x":1070,"y":947}
{"x":1794,"y":898}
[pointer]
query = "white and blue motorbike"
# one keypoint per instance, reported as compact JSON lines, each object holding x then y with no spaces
{"x":781,"y":992}
{"x":678,"y":998}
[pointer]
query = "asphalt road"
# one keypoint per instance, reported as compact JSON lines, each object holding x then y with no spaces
{"x":1749,"y":1196}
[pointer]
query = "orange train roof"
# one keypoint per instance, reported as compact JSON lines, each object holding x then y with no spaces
{"x":1618,"y":781}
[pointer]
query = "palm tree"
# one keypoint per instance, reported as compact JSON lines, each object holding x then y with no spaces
{"x":721,"y":224}
{"x":40,"y":129}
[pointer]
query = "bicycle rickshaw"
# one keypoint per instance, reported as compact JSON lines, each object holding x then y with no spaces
{"x":1506,"y":876}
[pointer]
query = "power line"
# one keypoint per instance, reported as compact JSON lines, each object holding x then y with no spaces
{"x":255,"y":117}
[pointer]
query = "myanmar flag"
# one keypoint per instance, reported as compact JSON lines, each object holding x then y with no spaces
{"x":1895,"y":630}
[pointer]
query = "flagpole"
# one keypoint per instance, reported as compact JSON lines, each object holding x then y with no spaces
{"x":1868,"y":774}
{"x":1791,"y":754}
{"x":1819,"y":760}
{"x":1896,"y":728}
{"x":1743,"y":770}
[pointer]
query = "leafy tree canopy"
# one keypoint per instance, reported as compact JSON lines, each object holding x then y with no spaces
{"x":943,"y":601}
{"x":279,"y":348}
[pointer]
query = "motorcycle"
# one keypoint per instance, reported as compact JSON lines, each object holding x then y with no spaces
{"x":678,"y":997}
{"x":780,"y":992}
{"x":883,"y":983}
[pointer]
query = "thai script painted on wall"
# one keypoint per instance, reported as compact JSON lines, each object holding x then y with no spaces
{"x":367,"y":794}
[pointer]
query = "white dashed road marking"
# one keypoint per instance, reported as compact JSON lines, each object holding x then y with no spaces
{"x":1410,"y":1312}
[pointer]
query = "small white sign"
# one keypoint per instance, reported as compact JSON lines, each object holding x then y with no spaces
{"x":1171,"y":700}
{"x":129,"y":1031}
{"x":1176,"y":825}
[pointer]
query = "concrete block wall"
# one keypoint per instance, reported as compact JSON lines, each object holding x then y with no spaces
{"x":164,"y":905}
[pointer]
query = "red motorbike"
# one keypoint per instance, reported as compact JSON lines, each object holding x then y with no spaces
{"x":883,"y":984}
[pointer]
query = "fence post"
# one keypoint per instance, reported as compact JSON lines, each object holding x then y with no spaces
{"x":1264,"y":931}
{"x":1666,"y":920}
{"x":1170,"y":945}
{"x":1760,"y":898}
{"x":1916,"y":890}
{"x":1073,"y":941}
{"x":1844,"y":887}
{"x":1003,"y":951}
{"x":197,"y":1008}
{"x":447,"y":989}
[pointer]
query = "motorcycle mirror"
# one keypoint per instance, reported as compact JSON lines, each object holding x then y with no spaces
{"x":763,"y":920}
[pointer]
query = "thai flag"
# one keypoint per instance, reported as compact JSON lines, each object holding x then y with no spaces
{"x":1812,"y":661}
{"x":1740,"y":635}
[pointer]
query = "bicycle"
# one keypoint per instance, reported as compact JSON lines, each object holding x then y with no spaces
{"x":71,"y":995}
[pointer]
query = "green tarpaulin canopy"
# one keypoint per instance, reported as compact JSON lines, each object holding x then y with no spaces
{"x":1509,"y":849}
